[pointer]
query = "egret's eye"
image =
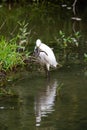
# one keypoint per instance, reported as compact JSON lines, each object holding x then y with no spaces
{"x":36,"y":52}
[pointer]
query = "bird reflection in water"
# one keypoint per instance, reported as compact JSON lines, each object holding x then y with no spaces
{"x":44,"y":102}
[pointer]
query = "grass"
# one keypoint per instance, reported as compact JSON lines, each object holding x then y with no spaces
{"x":9,"y":57}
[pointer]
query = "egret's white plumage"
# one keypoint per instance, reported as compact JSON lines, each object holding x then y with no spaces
{"x":45,"y":55}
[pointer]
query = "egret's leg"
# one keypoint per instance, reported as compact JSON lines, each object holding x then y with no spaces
{"x":48,"y":74}
{"x":47,"y":70}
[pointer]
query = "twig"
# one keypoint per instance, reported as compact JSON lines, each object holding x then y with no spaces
{"x":3,"y":24}
{"x":74,"y":8}
{"x":74,"y":27}
{"x":14,"y":30}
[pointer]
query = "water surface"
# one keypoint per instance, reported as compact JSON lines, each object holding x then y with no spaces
{"x":58,"y":104}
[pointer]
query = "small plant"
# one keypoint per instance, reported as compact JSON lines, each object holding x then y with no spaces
{"x":22,"y":39}
{"x":68,"y":43}
{"x":23,"y":30}
{"x":23,"y":35}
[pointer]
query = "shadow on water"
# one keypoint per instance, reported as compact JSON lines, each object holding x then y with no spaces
{"x":46,"y":105}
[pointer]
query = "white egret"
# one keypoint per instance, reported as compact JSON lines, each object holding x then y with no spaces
{"x":45,"y":55}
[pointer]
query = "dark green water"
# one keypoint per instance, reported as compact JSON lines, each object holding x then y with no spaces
{"x":58,"y":104}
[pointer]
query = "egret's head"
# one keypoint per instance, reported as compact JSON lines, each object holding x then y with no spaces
{"x":38,"y":42}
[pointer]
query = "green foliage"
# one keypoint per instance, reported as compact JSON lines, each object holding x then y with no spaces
{"x":23,"y":31}
{"x":10,"y":54}
{"x":68,"y":45}
{"x":23,"y":35}
{"x":9,"y":57}
{"x":68,"y":41}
